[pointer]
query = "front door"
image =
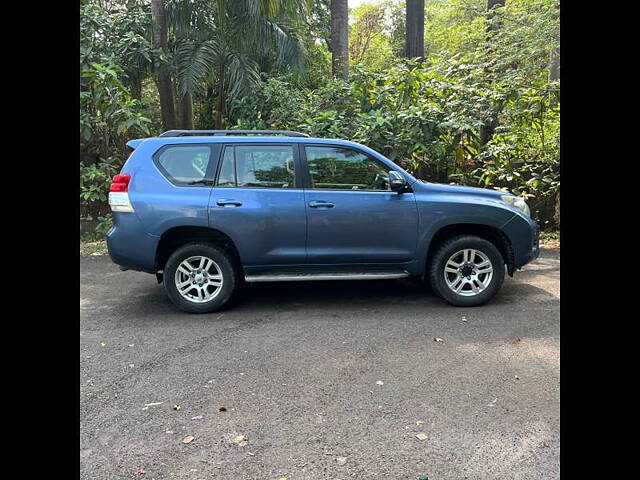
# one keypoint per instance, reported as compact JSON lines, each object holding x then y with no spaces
{"x":258,"y":201}
{"x":353,"y":216}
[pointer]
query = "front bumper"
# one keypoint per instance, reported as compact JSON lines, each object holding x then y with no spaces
{"x":524,"y":234}
{"x":535,"y":245}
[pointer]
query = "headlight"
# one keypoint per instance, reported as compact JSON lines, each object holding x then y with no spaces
{"x":517,"y":202}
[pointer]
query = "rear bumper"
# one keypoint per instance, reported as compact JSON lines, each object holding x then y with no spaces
{"x":129,"y":245}
{"x":524,"y":234}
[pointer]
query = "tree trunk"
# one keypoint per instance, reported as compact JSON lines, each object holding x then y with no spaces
{"x":414,"y":39}
{"x":554,"y":59}
{"x":186,"y":112}
{"x":340,"y":38}
{"x":221,"y":100}
{"x":493,"y":26}
{"x":488,"y":129}
{"x":554,"y":65}
{"x":136,"y":88}
{"x":556,"y":215}
{"x":163,"y":76}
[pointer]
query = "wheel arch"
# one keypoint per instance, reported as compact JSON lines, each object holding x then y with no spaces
{"x":177,"y":236}
{"x":488,"y":232}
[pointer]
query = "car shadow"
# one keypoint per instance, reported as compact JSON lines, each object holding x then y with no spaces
{"x":332,"y":298}
{"x":537,"y":284}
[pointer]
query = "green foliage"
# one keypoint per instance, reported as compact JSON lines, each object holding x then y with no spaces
{"x":225,"y":45}
{"x":270,"y":63}
{"x":370,"y":36}
{"x":113,"y":55}
{"x":426,"y":119}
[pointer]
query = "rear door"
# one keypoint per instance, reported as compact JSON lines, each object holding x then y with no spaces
{"x":259,"y":202}
{"x":353,"y":216}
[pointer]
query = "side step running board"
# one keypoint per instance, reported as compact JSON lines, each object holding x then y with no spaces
{"x":315,"y":276}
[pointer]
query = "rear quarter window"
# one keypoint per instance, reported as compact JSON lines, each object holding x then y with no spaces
{"x":184,"y":164}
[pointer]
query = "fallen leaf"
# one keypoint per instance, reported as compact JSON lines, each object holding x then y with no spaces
{"x":341,"y":460}
{"x":516,"y":340}
{"x":438,"y":339}
{"x":197,"y":417}
{"x":188,"y":439}
{"x":379,"y":382}
{"x":421,"y":436}
{"x":240,"y":440}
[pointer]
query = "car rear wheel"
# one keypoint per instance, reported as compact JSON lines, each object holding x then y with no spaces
{"x":200,"y":278}
{"x":467,"y":270}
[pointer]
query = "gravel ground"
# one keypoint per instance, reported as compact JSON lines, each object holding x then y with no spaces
{"x":324,"y":380}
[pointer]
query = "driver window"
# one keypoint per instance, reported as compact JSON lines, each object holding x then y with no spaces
{"x":338,"y":168}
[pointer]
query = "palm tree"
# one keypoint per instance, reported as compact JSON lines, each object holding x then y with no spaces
{"x":414,"y":40}
{"x":490,"y":124}
{"x":219,"y":44}
{"x":340,"y":38}
{"x":164,"y":81}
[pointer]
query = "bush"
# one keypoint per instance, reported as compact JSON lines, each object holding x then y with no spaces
{"x":427,"y":119}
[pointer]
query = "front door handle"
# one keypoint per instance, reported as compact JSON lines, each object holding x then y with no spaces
{"x":223,"y":202}
{"x":320,"y":203}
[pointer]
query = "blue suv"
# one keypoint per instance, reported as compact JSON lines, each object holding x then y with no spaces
{"x":207,"y":210}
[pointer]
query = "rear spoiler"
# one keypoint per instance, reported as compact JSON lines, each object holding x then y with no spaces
{"x":133,"y":144}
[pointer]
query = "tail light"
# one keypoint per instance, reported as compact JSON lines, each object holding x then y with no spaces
{"x":120,"y":183}
{"x":118,"y":193}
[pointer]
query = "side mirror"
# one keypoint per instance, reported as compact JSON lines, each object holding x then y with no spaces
{"x":396,"y":181}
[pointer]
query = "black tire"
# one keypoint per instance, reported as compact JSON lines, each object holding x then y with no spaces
{"x":455,"y":244}
{"x":226,"y":264}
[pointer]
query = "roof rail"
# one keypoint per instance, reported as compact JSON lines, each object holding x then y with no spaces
{"x":186,"y":133}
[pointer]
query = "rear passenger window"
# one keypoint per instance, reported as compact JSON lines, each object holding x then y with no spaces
{"x":257,"y":166}
{"x":185,"y":163}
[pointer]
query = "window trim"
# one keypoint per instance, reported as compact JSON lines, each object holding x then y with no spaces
{"x":214,"y":159}
{"x":308,"y":185}
{"x":297,"y":177}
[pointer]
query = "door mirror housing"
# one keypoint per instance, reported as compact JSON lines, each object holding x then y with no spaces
{"x":397,"y":182}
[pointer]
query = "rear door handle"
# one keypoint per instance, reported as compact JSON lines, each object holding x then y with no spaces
{"x":223,"y":202}
{"x":320,"y":203}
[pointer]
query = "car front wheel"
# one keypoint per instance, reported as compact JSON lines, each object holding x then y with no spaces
{"x":200,"y":278}
{"x":467,"y":270}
